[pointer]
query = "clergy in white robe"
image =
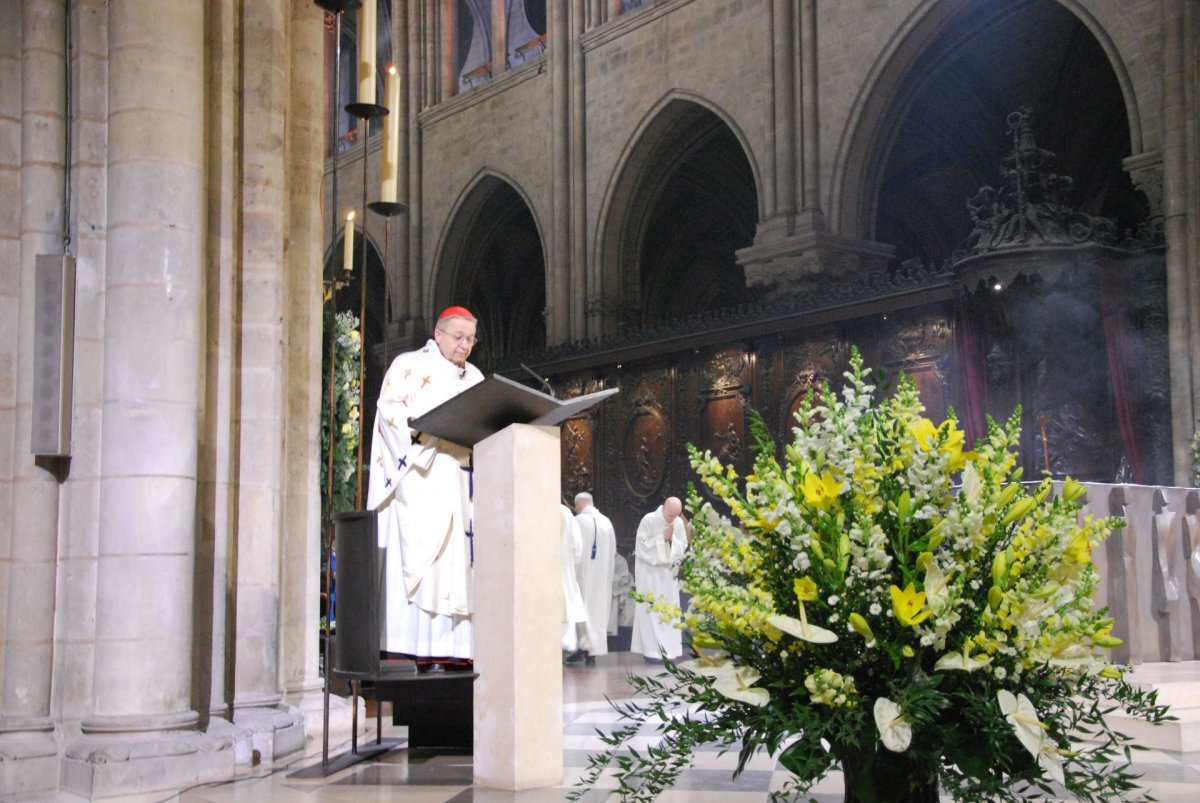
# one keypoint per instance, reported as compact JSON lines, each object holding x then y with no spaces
{"x":595,"y":571}
{"x":660,"y":547}
{"x":575,"y":624}
{"x":420,"y":487}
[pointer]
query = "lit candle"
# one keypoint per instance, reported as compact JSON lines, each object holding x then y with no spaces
{"x":366,"y":52}
{"x":391,"y":137}
{"x":348,"y":243}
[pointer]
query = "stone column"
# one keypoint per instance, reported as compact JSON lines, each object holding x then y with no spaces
{"x":139,"y":736}
{"x":578,"y":286}
{"x":258,"y":420}
{"x":399,"y":265}
{"x":792,"y":247}
{"x":1183,"y":309}
{"x":499,"y":37}
{"x":26,"y":729}
{"x":10,"y":277}
{"x":215,"y":461}
{"x":448,"y":50}
{"x":428,"y":11}
{"x":301,"y":575}
{"x":783,"y":79}
{"x":558,"y":288}
{"x":810,"y":147}
{"x":418,"y":68}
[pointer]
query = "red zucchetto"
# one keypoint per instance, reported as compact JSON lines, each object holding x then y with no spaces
{"x":456,"y":312}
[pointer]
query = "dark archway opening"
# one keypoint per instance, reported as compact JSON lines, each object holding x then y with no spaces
{"x":494,"y":264}
{"x":692,"y":204}
{"x":952,"y":139}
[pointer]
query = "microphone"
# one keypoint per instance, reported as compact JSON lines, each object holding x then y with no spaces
{"x":545,"y":383}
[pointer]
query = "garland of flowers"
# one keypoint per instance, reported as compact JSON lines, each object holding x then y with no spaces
{"x":347,"y":400}
{"x":887,"y":600}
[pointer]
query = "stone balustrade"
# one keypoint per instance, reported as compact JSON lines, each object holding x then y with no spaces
{"x":1150,"y":570}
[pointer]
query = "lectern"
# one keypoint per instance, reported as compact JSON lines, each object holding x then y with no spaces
{"x":517,"y":607}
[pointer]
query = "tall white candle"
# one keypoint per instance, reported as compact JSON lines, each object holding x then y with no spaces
{"x":348,"y":243}
{"x":366,"y":52}
{"x":391,"y":137}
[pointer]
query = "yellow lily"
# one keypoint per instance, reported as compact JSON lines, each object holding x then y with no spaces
{"x":806,"y":589}
{"x":821,"y":492}
{"x":923,"y":431}
{"x":909,"y":605}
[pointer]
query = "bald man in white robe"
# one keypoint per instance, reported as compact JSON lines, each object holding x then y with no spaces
{"x":594,"y":571}
{"x":661,"y":545}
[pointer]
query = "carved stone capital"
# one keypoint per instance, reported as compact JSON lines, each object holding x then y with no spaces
{"x":784,"y":263}
{"x":1146,"y":172}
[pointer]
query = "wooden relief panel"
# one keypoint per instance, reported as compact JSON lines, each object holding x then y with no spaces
{"x":578,"y":452}
{"x":644,"y":435}
{"x":793,"y":369}
{"x":723,"y":390}
{"x":644,"y":451}
{"x":921,"y":346}
{"x":580,"y":439}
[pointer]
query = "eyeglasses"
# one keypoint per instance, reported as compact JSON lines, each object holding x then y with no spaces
{"x":470,"y":340}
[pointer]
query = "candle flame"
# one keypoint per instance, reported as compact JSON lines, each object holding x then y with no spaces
{"x":391,"y":69}
{"x":350,"y":215}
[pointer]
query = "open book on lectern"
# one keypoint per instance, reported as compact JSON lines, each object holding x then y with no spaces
{"x":488,"y":407}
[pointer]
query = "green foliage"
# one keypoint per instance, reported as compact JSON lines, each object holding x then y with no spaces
{"x":346,"y":419}
{"x":886,"y":599}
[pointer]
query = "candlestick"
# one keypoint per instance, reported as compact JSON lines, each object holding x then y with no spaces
{"x":366,"y":52}
{"x":389,"y":170}
{"x":391,"y":137}
{"x":348,"y":244}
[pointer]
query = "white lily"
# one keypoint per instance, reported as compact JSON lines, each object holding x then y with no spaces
{"x":801,"y":629}
{"x":894,"y":730}
{"x":1077,"y":656}
{"x":1031,"y":732}
{"x":937,"y":584}
{"x":961,"y":660}
{"x":972,"y":484}
{"x":708,"y":663}
{"x":736,"y":683}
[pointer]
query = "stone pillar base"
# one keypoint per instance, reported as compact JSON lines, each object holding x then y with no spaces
{"x":117,"y":766}
{"x":786,"y":259}
{"x":273,"y":732}
{"x":29,"y":762}
{"x":311,"y":705}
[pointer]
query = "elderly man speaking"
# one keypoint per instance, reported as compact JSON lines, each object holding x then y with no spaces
{"x":421,"y":488}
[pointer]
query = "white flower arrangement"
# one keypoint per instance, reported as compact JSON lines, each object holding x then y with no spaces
{"x":886,"y":599}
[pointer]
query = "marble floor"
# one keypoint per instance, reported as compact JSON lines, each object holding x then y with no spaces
{"x":400,"y":773}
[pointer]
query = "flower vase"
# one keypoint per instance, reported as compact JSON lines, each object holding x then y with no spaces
{"x":888,"y":778}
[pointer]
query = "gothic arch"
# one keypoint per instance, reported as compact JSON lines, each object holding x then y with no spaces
{"x":933,"y":36}
{"x":684,"y":147}
{"x":491,"y":258}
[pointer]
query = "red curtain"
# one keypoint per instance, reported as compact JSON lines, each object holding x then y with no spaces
{"x":973,"y":370}
{"x":1120,"y":340}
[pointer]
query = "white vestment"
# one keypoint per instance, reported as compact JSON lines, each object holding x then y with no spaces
{"x":654,"y":561}
{"x":421,"y":487}
{"x":595,"y":573}
{"x":574,"y":611}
